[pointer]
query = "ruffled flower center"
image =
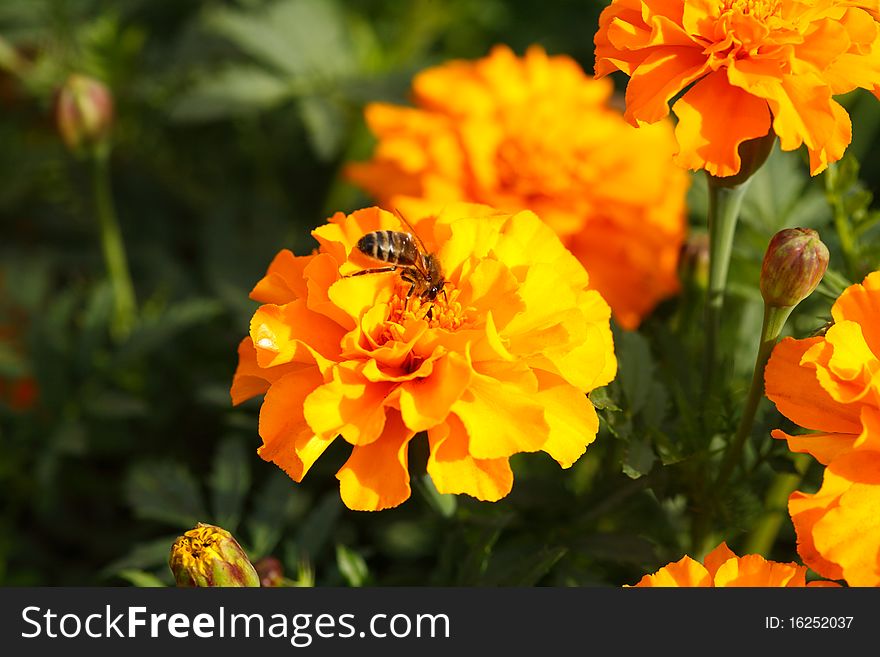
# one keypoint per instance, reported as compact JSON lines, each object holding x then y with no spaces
{"x":444,"y":312}
{"x":743,"y":29}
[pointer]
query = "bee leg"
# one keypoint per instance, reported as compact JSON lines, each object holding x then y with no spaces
{"x":375,"y":270}
{"x":412,"y":286}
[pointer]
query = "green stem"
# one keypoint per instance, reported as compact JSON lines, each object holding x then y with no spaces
{"x":764,"y":534}
{"x":724,"y":207}
{"x":841,"y":218}
{"x":113,"y":248}
{"x":774,"y":320}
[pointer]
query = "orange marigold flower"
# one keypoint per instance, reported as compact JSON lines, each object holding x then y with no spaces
{"x":537,"y":133}
{"x":747,"y":66}
{"x":722,"y":567}
{"x":831,"y":384}
{"x":498,"y":363}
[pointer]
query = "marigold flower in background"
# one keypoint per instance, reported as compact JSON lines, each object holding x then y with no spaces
{"x":535,"y":132}
{"x":499,"y":363}
{"x":747,"y":66}
{"x":722,"y":568}
{"x":831,"y":384}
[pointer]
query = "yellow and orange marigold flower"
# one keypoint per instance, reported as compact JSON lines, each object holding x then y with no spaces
{"x":537,"y":133}
{"x":747,"y":66}
{"x":722,"y":568}
{"x":831,"y":384}
{"x":499,"y":363}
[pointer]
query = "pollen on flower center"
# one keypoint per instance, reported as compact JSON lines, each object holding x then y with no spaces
{"x":444,"y":311}
{"x":759,"y":9}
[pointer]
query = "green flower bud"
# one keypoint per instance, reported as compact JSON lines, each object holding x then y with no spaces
{"x":210,"y":556}
{"x":795,"y":262}
{"x":84,"y":113}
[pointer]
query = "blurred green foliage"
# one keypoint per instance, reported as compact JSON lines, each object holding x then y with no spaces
{"x":233,"y":119}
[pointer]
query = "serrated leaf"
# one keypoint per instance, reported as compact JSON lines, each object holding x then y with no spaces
{"x":602,"y":400}
{"x":142,"y":557}
{"x":636,"y":369}
{"x":231,"y":92}
{"x":655,"y":406}
{"x":166,"y":492}
{"x":141,"y":579}
{"x":531,"y":567}
{"x":318,"y":525}
{"x":155,"y":332}
{"x":230,"y":481}
{"x":639,"y":458}
{"x":325,"y":124}
{"x":352,"y":566}
{"x":275,"y":505}
{"x":297,"y":37}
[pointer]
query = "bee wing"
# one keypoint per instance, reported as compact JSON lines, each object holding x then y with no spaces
{"x":412,"y":231}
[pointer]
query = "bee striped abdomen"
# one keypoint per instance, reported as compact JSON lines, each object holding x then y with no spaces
{"x":391,"y":246}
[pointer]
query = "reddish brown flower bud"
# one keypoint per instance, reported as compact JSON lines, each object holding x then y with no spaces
{"x":270,"y":571}
{"x":795,"y":262}
{"x":210,"y":556}
{"x":84,"y":112}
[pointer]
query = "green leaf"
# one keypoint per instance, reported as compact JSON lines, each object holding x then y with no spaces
{"x":602,"y":400}
{"x":527,"y":569}
{"x":444,"y":504}
{"x":231,"y":92}
{"x":230,"y":481}
{"x":639,"y":457}
{"x":296,"y":37}
{"x":352,"y":566}
{"x":315,"y":530}
{"x":141,"y":579}
{"x":142,"y":557}
{"x":157,"y":330}
{"x":277,"y":502}
{"x":636,"y":369}
{"x":326,"y":124}
{"x":166,"y":492}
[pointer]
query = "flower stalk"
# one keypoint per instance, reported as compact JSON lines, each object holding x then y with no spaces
{"x":113,"y":247}
{"x":795,"y":261}
{"x":724,"y":206}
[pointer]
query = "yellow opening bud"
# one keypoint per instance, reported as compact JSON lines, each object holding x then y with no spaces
{"x":210,"y":556}
{"x":84,"y":113}
{"x":795,"y":262}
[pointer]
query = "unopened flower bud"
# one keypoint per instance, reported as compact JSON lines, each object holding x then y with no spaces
{"x":795,"y":262}
{"x":693,"y":261}
{"x":270,"y":571}
{"x":210,"y":556}
{"x":84,"y":113}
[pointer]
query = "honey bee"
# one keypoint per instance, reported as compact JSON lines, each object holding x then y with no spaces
{"x":404,"y":252}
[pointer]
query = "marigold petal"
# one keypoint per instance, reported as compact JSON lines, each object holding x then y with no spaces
{"x":425,"y":402}
{"x":718,"y":556}
{"x":824,"y":447}
{"x":861,"y":304}
{"x":571,"y":417}
{"x":798,"y":395}
{"x":294,"y":334}
{"x":454,"y":470}
{"x":348,"y":405}
{"x":754,"y":570}
{"x":683,"y":573}
{"x":249,"y":379}
{"x":283,"y":281}
{"x":710,"y":144}
{"x":288,"y":441}
{"x":658,"y":79}
{"x":838,"y":536}
{"x":501,"y":420}
{"x":376,"y":476}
